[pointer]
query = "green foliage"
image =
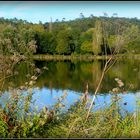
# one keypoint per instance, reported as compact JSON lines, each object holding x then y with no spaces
{"x":86,"y":47}
{"x":101,"y":35}
{"x":15,"y":41}
{"x":132,"y":39}
{"x":45,"y":42}
{"x":86,"y":41}
{"x":97,"y":38}
{"x":63,"y":42}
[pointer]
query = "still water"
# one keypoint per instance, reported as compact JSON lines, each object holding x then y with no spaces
{"x":72,"y":78}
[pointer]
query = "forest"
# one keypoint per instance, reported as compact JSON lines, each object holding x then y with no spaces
{"x":89,"y":98}
{"x":84,"y":35}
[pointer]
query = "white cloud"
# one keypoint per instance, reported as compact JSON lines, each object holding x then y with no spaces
{"x":22,"y":8}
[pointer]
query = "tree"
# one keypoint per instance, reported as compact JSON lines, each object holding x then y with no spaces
{"x":97,"y":38}
{"x":81,"y":15}
{"x":91,"y":16}
{"x":86,"y":47}
{"x":45,"y":42}
{"x":72,"y":38}
{"x":86,"y":41}
{"x":63,"y":42}
{"x":132,"y":39}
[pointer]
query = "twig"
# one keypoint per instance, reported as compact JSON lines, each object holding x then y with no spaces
{"x":102,"y":76}
{"x":5,"y":77}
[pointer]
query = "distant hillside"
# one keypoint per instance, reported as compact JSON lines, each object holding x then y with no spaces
{"x":84,"y":35}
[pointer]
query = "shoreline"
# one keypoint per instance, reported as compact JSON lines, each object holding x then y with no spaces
{"x":83,"y":57}
{"x":72,"y":57}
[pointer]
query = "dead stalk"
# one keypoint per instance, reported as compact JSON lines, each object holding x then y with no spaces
{"x":100,"y":81}
{"x":106,"y":68}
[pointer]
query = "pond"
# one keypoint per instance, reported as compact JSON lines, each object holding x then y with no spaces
{"x":72,"y":78}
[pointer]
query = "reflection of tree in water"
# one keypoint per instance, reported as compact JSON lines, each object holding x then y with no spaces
{"x":96,"y":73}
{"x":72,"y":66}
{"x":128,"y":72}
{"x":67,"y":75}
{"x":75,"y":75}
{"x":24,"y":71}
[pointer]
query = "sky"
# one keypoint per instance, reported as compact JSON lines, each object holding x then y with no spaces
{"x":35,"y":11}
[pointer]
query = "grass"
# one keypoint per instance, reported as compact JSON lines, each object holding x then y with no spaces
{"x":104,"y":123}
{"x":107,"y":123}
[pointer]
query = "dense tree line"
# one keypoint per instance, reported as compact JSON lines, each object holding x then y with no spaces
{"x":84,"y":35}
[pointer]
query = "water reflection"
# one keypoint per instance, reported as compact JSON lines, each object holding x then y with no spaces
{"x":43,"y":97}
{"x":73,"y":76}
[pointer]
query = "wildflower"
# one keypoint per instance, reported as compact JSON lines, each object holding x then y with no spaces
{"x":22,"y":87}
{"x":26,"y":83}
{"x":115,"y":90}
{"x":120,"y":83}
{"x":31,"y":83}
{"x":32,"y":64}
{"x":45,"y":68}
{"x":38,"y":70}
{"x":116,"y":79}
{"x":33,"y":77}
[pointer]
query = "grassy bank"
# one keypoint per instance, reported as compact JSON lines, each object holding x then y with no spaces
{"x":107,"y":123}
{"x":71,"y":57}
